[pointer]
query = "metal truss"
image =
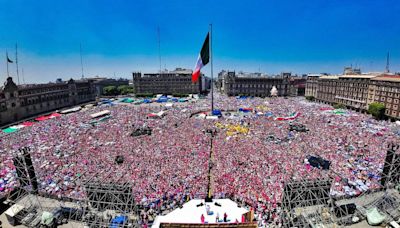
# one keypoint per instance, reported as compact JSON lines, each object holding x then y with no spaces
{"x":101,"y":202}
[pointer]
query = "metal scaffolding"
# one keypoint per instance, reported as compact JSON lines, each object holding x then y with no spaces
{"x":103,"y":198}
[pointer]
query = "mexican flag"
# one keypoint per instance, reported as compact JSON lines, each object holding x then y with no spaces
{"x":203,"y":59}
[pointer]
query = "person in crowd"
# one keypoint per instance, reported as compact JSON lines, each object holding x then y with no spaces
{"x":170,"y":166}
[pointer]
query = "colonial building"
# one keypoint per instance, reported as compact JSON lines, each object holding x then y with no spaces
{"x":178,"y":81}
{"x":326,"y":91}
{"x":19,"y":102}
{"x":352,"y":90}
{"x":297,"y":86}
{"x":254,"y":84}
{"x":386,"y":89}
{"x":312,"y":85}
{"x":349,"y":90}
{"x":358,"y":90}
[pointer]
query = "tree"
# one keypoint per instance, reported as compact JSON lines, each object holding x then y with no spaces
{"x":377,"y":110}
{"x":339,"y":106}
{"x":110,"y":90}
{"x":310,"y":98}
{"x":125,"y":89}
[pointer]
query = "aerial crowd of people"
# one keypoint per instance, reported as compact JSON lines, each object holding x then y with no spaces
{"x":170,"y":166}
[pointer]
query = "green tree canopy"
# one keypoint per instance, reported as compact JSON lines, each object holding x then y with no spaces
{"x":110,"y":90}
{"x":339,"y":106}
{"x":125,"y":89}
{"x":377,"y":110}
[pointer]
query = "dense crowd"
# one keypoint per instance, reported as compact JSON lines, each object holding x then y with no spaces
{"x":170,"y":166}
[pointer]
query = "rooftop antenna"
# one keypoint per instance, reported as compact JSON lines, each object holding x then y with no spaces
{"x":16,"y":61}
{"x":80,"y":51}
{"x":159,"y":46}
{"x":387,"y":63}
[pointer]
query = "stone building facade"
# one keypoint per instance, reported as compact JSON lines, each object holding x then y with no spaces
{"x":386,"y":89}
{"x":312,"y":85}
{"x":358,"y":91}
{"x":352,"y":91}
{"x":255,"y":84}
{"x":326,"y":91}
{"x":178,"y":81}
{"x":349,"y":90}
{"x":19,"y":102}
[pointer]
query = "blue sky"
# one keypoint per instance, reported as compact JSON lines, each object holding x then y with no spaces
{"x":271,"y":36}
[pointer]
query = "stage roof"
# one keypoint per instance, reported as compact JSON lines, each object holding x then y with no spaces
{"x":191,"y":213}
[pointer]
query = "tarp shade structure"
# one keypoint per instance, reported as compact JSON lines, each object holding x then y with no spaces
{"x":117,"y":221}
{"x":17,"y":126}
{"x":152,"y":115}
{"x":27,"y":124}
{"x":245,"y":109}
{"x":47,"y":218}
{"x":71,"y":110}
{"x":9,"y":130}
{"x":54,"y":115}
{"x":159,"y":114}
{"x":291,"y":117}
{"x":42,"y":118}
{"x":326,"y":109}
{"x":127,"y":100}
{"x":216,"y":112}
{"x":162,"y":99}
{"x":374,"y":217}
{"x":100,"y":114}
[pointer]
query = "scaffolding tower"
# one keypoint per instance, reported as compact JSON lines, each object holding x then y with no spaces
{"x":102,"y":199}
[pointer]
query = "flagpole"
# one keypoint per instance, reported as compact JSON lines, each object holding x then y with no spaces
{"x":80,"y":51}
{"x":16,"y":60}
{"x":212,"y":74}
{"x":8,"y":73}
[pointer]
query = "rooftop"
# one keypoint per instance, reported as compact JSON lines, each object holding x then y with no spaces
{"x":329,"y":77}
{"x":365,"y":76}
{"x":386,"y":77}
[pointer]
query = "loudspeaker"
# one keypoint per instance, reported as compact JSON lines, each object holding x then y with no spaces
{"x":391,"y":166}
{"x":22,"y":174}
{"x":31,"y":170}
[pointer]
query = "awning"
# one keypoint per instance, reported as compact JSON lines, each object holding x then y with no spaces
{"x":99,"y":114}
{"x":71,"y":110}
{"x":27,"y":124}
{"x":54,"y":115}
{"x":9,"y":130}
{"x":42,"y":118}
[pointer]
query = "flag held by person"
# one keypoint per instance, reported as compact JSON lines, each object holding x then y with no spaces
{"x":203,"y":59}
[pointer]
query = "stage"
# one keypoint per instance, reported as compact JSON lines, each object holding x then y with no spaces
{"x":191,"y":213}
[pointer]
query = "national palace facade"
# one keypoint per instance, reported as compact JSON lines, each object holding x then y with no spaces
{"x":23,"y":101}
